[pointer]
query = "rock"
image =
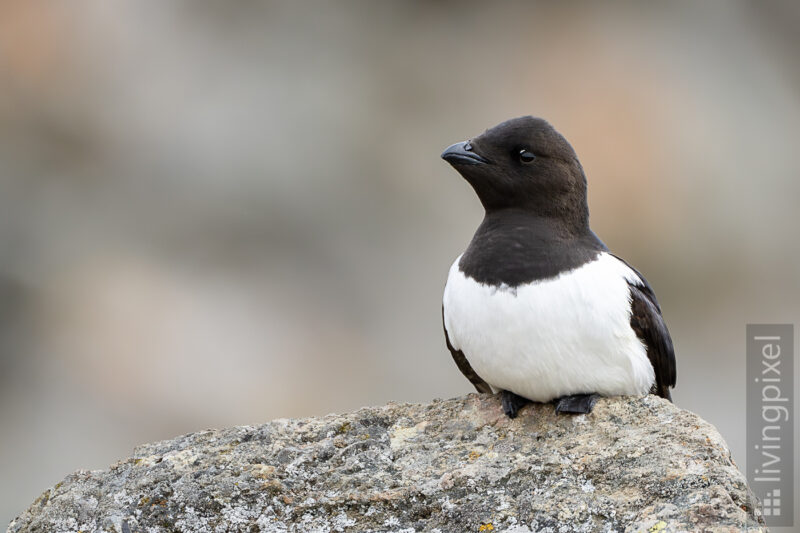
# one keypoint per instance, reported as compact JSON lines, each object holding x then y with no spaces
{"x":634,"y":464}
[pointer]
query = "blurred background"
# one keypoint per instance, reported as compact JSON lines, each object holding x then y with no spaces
{"x":215,"y":214}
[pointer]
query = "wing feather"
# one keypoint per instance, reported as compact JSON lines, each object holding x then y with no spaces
{"x":463,"y":365}
{"x":649,"y":326}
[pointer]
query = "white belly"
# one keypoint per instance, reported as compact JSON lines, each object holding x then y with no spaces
{"x":566,"y":335}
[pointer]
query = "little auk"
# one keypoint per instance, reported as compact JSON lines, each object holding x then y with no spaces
{"x":537,"y":307}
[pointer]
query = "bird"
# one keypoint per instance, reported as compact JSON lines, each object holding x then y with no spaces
{"x":537,"y":308}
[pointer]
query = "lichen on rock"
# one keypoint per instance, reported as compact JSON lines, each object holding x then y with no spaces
{"x":633,"y":464}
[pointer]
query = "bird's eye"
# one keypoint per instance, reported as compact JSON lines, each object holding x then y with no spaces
{"x":525,"y":156}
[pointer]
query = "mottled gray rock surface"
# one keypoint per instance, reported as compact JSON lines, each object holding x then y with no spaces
{"x":634,"y":464}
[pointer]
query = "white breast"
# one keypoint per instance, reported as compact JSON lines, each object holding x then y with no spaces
{"x":566,"y":335}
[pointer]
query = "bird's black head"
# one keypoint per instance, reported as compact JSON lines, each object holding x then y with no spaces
{"x":524,"y":163}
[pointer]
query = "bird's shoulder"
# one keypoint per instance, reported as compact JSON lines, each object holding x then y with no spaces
{"x":638,"y":281}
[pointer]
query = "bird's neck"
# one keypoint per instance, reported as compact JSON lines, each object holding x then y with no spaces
{"x":513,"y":247}
{"x":535,"y":225}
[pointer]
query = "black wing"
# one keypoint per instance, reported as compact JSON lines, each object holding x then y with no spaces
{"x":463,"y":364}
{"x":647,"y":322}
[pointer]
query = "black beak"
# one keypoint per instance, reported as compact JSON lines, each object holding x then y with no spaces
{"x":462,"y":154}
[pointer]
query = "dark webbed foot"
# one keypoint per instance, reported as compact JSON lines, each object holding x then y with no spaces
{"x":512,"y":403}
{"x":577,"y":403}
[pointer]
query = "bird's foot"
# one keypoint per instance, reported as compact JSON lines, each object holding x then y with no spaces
{"x":512,"y":403}
{"x":576,"y":403}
